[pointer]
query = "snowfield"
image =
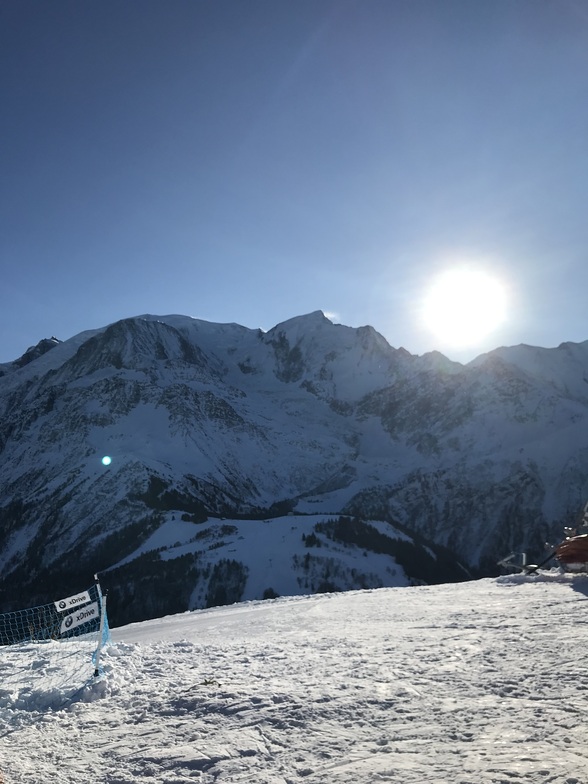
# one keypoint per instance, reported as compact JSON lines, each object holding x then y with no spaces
{"x":476,"y":683}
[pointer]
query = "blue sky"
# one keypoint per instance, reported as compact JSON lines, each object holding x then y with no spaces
{"x":252,"y":160}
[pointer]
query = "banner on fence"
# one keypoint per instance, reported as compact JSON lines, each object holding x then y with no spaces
{"x":80,"y":617}
{"x":73,"y":601}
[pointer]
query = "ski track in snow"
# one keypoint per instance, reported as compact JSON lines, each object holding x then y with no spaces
{"x":476,"y":683}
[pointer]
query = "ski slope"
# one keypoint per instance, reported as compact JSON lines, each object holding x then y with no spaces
{"x":476,"y":683}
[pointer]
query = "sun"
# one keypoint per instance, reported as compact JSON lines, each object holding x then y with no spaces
{"x":462,"y":306}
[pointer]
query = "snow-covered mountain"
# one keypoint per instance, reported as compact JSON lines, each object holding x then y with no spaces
{"x":324,"y":422}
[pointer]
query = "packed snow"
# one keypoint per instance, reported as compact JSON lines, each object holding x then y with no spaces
{"x":473,"y":683}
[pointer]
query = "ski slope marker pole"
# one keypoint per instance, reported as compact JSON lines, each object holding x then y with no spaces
{"x":102,"y":599}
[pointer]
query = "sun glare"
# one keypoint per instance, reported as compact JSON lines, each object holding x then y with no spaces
{"x":463,"y":306}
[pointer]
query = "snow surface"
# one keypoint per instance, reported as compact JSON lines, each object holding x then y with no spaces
{"x":475,"y":683}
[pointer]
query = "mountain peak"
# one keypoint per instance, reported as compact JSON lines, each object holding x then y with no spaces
{"x":33,"y":352}
{"x":305,"y":322}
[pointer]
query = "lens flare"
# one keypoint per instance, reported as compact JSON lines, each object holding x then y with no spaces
{"x":106,"y":460}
